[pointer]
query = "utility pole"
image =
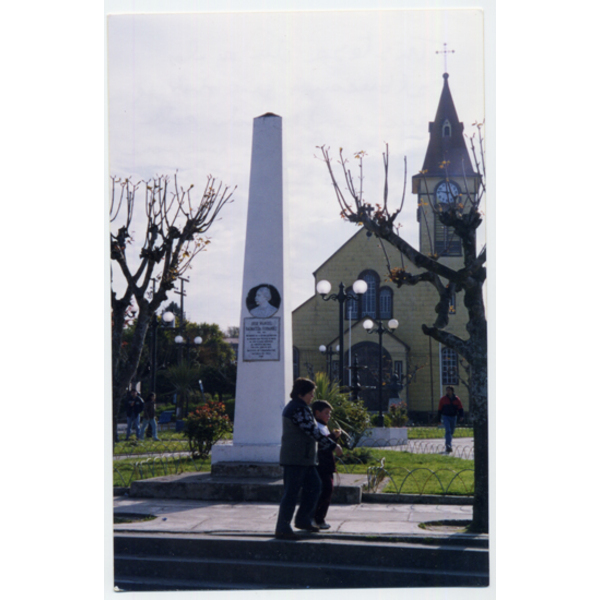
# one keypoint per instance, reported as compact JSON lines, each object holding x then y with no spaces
{"x":181,"y":294}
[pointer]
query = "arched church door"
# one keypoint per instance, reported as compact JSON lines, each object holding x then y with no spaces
{"x":367,"y":354}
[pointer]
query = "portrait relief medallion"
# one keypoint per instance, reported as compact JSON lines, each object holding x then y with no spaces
{"x":263,"y":301}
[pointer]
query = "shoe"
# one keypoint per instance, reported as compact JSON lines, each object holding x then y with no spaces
{"x":286,"y":535}
{"x":448,"y":449}
{"x":312,"y":526}
{"x":323,"y":525}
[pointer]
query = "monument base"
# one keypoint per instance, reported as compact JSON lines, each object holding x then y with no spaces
{"x":246,"y":470}
{"x":246,"y":460}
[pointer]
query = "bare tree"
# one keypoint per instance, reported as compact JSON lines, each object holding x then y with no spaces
{"x":462,"y":216}
{"x":174,"y":228}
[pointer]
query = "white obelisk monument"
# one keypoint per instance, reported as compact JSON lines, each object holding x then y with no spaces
{"x":265,"y":368}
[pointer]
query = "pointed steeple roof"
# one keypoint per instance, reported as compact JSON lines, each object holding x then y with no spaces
{"x":446,"y":141}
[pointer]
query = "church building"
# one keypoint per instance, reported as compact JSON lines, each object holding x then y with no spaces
{"x":422,"y":365}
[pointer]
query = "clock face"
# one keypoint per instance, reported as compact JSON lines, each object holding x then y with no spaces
{"x":447,"y":192}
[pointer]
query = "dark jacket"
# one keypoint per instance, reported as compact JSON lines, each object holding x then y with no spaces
{"x":450,"y":407}
{"x":300,"y":435}
{"x":326,"y":459}
{"x":134,"y":405}
{"x":149,"y":409}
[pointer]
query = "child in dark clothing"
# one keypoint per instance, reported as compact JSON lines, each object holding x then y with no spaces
{"x":326,"y":467}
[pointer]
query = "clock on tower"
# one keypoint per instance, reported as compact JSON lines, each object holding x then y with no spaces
{"x":447,"y":192}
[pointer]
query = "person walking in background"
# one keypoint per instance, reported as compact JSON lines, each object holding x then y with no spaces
{"x":449,"y":410}
{"x":135,"y":405}
{"x":298,"y":457}
{"x":149,"y":416}
{"x":326,"y":461}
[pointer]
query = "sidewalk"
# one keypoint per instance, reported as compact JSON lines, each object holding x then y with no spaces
{"x":258,"y":519}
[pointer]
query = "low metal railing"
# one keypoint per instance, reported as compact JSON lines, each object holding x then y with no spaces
{"x":420,"y":481}
{"x":152,"y":466}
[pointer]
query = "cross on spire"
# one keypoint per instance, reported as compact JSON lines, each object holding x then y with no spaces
{"x":445,"y":53}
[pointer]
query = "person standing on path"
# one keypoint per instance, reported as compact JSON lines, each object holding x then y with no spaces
{"x":135,"y":405}
{"x":326,"y":461}
{"x":149,"y":416}
{"x":449,"y":410}
{"x":298,"y":457}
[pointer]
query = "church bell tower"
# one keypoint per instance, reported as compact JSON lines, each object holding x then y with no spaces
{"x":447,"y":178}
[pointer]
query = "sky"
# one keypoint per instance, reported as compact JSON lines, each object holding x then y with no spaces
{"x":183,"y":90}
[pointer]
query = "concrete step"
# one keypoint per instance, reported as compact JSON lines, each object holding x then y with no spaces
{"x":205,"y":486}
{"x":147,"y":562}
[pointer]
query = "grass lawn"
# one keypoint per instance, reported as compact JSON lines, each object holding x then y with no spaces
{"x":425,"y":433}
{"x":404,"y":472}
{"x":176,"y":442}
{"x":131,"y":469}
{"x":170,"y":441}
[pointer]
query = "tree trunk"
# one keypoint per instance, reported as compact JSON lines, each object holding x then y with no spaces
{"x":123,"y":371}
{"x":479,"y":411}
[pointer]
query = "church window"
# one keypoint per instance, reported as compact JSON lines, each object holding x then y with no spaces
{"x":398,"y":370}
{"x":449,"y":367}
{"x":447,"y":243}
{"x":377,"y":302}
{"x":369,"y":299}
{"x":352,"y":309}
{"x":385,"y":303}
{"x":446,"y":129}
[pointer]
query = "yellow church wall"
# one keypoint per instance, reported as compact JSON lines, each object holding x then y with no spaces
{"x":316,"y":322}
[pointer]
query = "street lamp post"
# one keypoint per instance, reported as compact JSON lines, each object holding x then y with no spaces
{"x":329,"y":352}
{"x":359,"y":287}
{"x":182,"y":295}
{"x":369,"y":325}
{"x":167,"y":318}
{"x":184,"y":343}
{"x":181,"y":342}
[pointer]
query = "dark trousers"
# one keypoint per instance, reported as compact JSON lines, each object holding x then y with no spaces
{"x":449,"y":425}
{"x":296,"y":478}
{"x":325,"y":497}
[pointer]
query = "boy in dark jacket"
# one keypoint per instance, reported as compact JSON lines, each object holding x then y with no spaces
{"x":326,"y":466}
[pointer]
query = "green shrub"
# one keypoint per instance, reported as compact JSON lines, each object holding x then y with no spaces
{"x":160,"y":409}
{"x":397,"y":415}
{"x":205,"y":426}
{"x":349,"y":415}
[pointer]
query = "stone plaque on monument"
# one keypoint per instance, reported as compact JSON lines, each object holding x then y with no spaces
{"x":261,"y":339}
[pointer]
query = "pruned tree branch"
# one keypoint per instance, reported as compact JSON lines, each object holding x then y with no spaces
{"x":176,"y":223}
{"x":462,"y":218}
